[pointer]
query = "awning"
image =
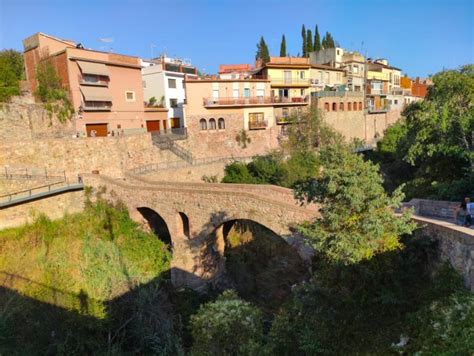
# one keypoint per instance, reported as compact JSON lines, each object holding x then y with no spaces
{"x":93,"y":68}
{"x":96,"y":93}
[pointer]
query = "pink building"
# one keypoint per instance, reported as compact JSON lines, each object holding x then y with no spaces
{"x":105,"y":89}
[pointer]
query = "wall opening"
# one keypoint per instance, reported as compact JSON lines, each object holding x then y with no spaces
{"x":157,"y":224}
{"x":185,"y":223}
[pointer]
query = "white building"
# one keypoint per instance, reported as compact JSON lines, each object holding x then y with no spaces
{"x":163,"y":80}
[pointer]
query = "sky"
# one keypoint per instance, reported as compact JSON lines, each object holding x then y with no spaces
{"x":421,"y":37}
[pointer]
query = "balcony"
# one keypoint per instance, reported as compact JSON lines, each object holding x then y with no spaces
{"x":371,"y":91}
{"x":254,"y":101}
{"x":290,"y":82}
{"x":258,"y":125}
{"x":378,"y":110}
{"x":282,"y":119}
{"x":96,"y":106}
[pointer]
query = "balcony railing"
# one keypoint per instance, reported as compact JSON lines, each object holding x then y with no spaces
{"x":254,"y":100}
{"x":325,"y":94}
{"x":374,"y":110}
{"x":280,"y":120}
{"x":96,"y":106}
{"x":290,"y":81}
{"x":258,"y":125}
{"x":376,"y":91}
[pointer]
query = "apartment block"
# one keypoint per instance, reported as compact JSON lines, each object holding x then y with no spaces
{"x":105,"y":89}
{"x":163,"y":80}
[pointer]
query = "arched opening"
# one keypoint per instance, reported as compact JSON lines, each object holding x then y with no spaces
{"x":184,"y":223}
{"x":212,"y":124}
{"x":349,"y":106}
{"x":360,"y":105}
{"x":221,"y":124}
{"x":326,"y":106}
{"x":157,"y":224}
{"x":341,"y":106}
{"x":259,"y":263}
{"x":355,"y":106}
{"x":203,"y":124}
{"x":334,"y":106}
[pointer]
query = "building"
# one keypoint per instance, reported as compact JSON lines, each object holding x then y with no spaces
{"x":163,"y":80}
{"x":419,"y":87}
{"x":104,"y":88}
{"x":324,"y":77}
{"x":393,"y":74}
{"x":236,"y":71}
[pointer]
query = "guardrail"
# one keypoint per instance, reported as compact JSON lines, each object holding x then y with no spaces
{"x":34,"y":193}
{"x":31,"y":173}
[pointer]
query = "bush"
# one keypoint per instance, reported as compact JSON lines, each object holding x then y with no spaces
{"x":228,"y":326}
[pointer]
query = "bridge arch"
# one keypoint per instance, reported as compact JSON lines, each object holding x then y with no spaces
{"x":183,"y":223}
{"x":157,"y":224}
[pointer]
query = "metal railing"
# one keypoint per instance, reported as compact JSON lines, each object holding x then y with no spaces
{"x":374,"y":110}
{"x":29,"y":194}
{"x":290,"y":81}
{"x":325,"y":94}
{"x":31,"y":173}
{"x":256,"y":125}
{"x":253,"y":100}
{"x":180,"y":133}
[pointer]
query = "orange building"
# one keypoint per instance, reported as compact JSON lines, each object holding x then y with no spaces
{"x":105,"y":89}
{"x":419,"y":88}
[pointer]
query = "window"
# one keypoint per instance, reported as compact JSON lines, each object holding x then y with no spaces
{"x":355,"y":106}
{"x":144,"y":83}
{"x":326,"y":106}
{"x":221,"y":124}
{"x":349,"y":106}
{"x":395,"y":102}
{"x":215,"y":93}
{"x":338,"y":75}
{"x":173,"y":103}
{"x":260,"y":92}
{"x":341,"y":106}
{"x":130,"y":96}
{"x":212,"y":124}
{"x":327,"y":80}
{"x":321,"y":76}
{"x":334,"y":107}
{"x":337,"y":52}
{"x":355,"y":69}
{"x":246,"y":92}
{"x":360,"y":105}
{"x":302,"y":92}
{"x":172,"y":83}
{"x":203,"y":124}
{"x":302,"y":75}
{"x":284,"y":112}
{"x":235,"y":93}
{"x":256,"y":117}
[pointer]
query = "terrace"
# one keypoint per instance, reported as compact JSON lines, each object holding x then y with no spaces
{"x":255,"y":101}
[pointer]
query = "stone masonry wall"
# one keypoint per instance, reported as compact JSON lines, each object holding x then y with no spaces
{"x":54,"y":207}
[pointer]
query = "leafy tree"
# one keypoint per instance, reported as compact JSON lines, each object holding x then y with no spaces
{"x":11,"y":72}
{"x":262,"y":51}
{"x":434,"y":143}
{"x":237,"y":172}
{"x":303,"y":37}
{"x":267,"y":169}
{"x":228,"y":326}
{"x":309,"y":42}
{"x":317,"y":39}
{"x":283,"y":47}
{"x":357,"y":220}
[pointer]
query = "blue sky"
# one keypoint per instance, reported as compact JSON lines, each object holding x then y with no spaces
{"x":419,"y":36}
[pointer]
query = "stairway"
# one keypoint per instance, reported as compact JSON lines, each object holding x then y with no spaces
{"x":167,"y":142}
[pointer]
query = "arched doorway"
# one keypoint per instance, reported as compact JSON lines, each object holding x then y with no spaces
{"x":259,"y":263}
{"x":157,"y":224}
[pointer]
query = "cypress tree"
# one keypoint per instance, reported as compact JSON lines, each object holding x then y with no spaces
{"x":262,"y":51}
{"x":283,"y":47}
{"x":309,"y":43}
{"x":303,"y":36}
{"x":324,"y":43}
{"x":317,"y":39}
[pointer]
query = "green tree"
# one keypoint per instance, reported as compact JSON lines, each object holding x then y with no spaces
{"x":262,"y":51}
{"x":228,"y":326}
{"x":283,"y":47}
{"x":267,"y":169}
{"x":309,"y":42}
{"x":317,"y":39}
{"x":357,"y":219}
{"x":11,"y":72}
{"x":303,"y":37}
{"x":435,"y":140}
{"x":237,"y":172}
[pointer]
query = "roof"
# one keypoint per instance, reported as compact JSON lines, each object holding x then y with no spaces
{"x":230,"y":68}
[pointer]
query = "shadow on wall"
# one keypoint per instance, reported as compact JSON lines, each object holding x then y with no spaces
{"x":157,"y":224}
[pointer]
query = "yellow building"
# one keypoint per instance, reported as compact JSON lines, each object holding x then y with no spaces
{"x":289,"y":78}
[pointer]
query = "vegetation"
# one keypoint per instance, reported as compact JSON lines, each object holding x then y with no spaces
{"x":262,"y":51}
{"x":11,"y":72}
{"x":328,"y":41}
{"x":283,"y":46}
{"x":431,"y":150}
{"x":51,"y":92}
{"x":228,"y":326}
{"x":317,"y":39}
{"x":243,"y":138}
{"x":309,"y":42}
{"x":303,"y":41}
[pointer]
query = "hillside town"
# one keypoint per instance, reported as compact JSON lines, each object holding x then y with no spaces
{"x":318,"y":202}
{"x":116,"y":94}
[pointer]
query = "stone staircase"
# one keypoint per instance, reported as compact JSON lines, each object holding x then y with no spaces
{"x":167,"y":141}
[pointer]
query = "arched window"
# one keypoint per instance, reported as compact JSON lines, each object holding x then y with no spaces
{"x":185,"y":223}
{"x":341,"y":106}
{"x":221,"y":124}
{"x":212,"y":124}
{"x":326,"y":106}
{"x":349,"y":106}
{"x":334,"y":107}
{"x":203,"y":124}
{"x":355,"y":106}
{"x":360,"y":105}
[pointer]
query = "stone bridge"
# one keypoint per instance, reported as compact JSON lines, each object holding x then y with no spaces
{"x":194,"y":216}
